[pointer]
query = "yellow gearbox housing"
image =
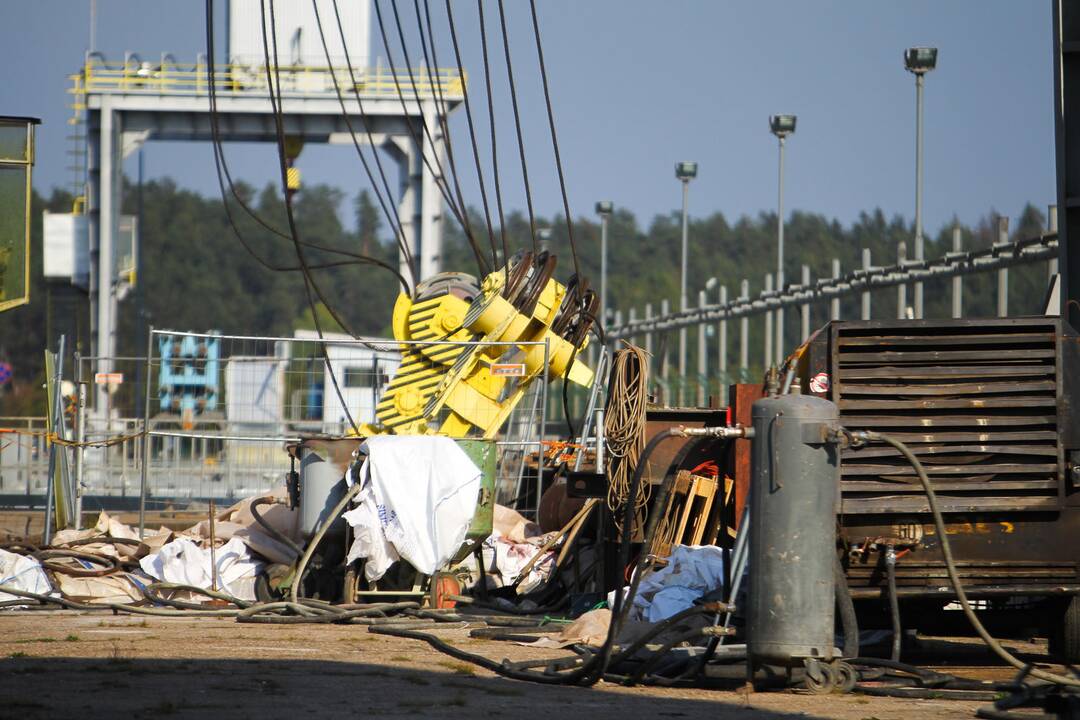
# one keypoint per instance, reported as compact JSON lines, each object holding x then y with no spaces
{"x":446,"y":386}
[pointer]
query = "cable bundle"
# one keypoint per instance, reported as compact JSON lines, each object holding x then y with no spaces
{"x":624,"y":430}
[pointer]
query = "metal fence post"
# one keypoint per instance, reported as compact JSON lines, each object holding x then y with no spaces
{"x":721,"y":337}
{"x":834,"y":304}
{"x":866,"y":264}
{"x":665,"y":366}
{"x":1003,"y":273}
{"x":144,"y":472}
{"x":768,"y":324}
{"x":702,"y":354}
{"x":958,"y":280}
{"x":805,"y":309}
{"x":1052,"y":227}
{"x":744,"y":332}
{"x":543,"y":430}
{"x":649,"y":335}
{"x":901,"y":289}
{"x":80,"y":450}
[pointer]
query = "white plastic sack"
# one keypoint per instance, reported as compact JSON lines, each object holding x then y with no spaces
{"x":22,"y":573}
{"x":183,"y":561}
{"x":423,"y":497}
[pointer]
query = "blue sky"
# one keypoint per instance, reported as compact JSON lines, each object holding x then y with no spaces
{"x":639,"y":84}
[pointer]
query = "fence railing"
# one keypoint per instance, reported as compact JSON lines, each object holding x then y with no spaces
{"x":167,"y":77}
{"x":712,"y":318}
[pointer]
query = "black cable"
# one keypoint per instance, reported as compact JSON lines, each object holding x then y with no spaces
{"x":846,"y":607}
{"x":440,"y":179}
{"x":440,"y":117}
{"x":225,"y":177}
{"x":894,"y":607}
{"x":395,"y":226}
{"x":491,"y":125}
{"x":517,"y":125}
{"x":472,"y":129}
{"x":273,"y":531}
{"x":554,"y":136}
{"x":309,"y":282}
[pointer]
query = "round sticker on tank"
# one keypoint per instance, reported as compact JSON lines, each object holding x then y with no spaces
{"x":819,"y":384}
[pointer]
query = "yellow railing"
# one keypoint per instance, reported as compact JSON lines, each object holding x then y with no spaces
{"x":176,"y":79}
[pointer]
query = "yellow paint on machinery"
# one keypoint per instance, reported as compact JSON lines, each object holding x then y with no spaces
{"x":445,"y":387}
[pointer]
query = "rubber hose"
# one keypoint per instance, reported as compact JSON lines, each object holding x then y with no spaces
{"x":894,"y":609}
{"x":664,"y":649}
{"x":298,"y":576}
{"x":848,"y":620}
{"x":593,"y":669}
{"x":274,"y":533}
{"x":950,"y":567}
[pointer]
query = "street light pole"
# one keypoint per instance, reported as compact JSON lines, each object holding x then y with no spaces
{"x":685,"y":172}
{"x":919,"y":61}
{"x":781,"y":126}
{"x":603,"y":209}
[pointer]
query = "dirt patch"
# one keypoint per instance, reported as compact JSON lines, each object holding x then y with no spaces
{"x":55,"y":664}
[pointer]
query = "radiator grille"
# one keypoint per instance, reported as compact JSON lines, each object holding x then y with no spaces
{"x":976,"y":400}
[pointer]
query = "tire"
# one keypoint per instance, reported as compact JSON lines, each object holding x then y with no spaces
{"x":1065,"y":640}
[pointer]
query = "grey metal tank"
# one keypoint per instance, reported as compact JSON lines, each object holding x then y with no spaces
{"x":794,"y":476}
{"x":322,"y":482}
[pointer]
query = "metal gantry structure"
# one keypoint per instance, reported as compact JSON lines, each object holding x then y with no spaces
{"x":127,"y":104}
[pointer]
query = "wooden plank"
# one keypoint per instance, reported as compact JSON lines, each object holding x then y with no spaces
{"x":949,"y":403}
{"x":980,"y":339}
{"x":906,"y":421}
{"x":931,"y":372}
{"x":916,"y":503}
{"x":946,"y":355}
{"x":992,"y":486}
{"x":870,"y":451}
{"x":977,"y":388}
{"x":940,"y":437}
{"x":978,"y":469}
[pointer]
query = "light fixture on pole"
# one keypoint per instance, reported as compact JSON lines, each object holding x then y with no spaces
{"x":781,"y":126}
{"x":685,"y":172}
{"x":603,"y":209}
{"x":919,"y":61}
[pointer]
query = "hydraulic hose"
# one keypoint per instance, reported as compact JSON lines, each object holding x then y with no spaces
{"x":298,"y":576}
{"x":848,"y":620}
{"x":592,"y":670}
{"x":894,"y":604}
{"x":274,"y":533}
{"x":950,"y":565}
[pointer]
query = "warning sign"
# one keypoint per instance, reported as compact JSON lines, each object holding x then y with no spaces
{"x":508,"y":369}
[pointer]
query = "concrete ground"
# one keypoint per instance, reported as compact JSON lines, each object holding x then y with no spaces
{"x":91,"y":665}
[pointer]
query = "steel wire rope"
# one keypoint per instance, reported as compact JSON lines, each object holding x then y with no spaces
{"x":225,"y":177}
{"x":436,"y":94}
{"x":554,"y":135}
{"x":438,"y":176}
{"x":309,"y":282}
{"x":517,"y":125}
{"x":468,"y":116}
{"x":624,"y":429}
{"x":394,"y":221}
{"x":491,"y":125}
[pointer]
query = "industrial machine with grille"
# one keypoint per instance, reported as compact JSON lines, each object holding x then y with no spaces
{"x":988,"y":407}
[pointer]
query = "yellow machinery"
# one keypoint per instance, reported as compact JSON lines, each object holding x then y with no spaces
{"x":448,"y":387}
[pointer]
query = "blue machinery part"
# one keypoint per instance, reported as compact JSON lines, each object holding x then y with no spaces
{"x":188,"y":376}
